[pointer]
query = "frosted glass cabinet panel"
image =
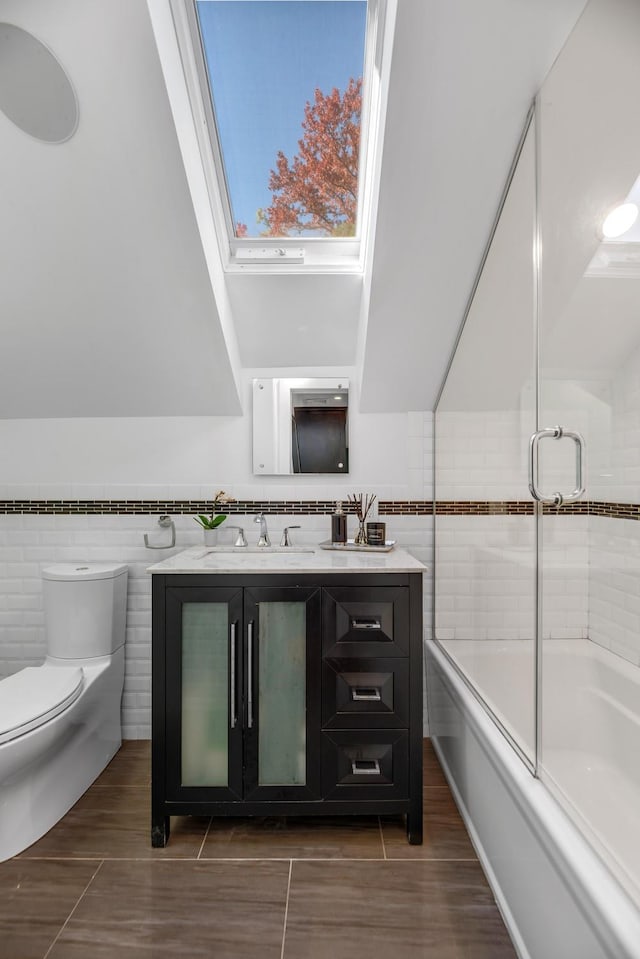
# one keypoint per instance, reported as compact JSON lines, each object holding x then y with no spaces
{"x":205,"y":694}
{"x":282,"y":738}
{"x":203,"y":701}
{"x":282,"y":694}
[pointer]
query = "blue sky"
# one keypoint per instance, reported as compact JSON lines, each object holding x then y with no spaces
{"x":265,"y":59}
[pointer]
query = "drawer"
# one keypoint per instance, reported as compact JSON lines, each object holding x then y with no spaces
{"x":365,"y":693}
{"x":365,"y":764}
{"x":365,"y":621}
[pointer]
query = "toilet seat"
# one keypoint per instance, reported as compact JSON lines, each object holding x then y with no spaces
{"x":34,"y":695}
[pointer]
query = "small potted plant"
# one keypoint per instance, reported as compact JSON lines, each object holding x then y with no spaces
{"x":211,"y":523}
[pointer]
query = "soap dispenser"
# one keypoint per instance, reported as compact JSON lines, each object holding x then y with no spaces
{"x":339,"y":525}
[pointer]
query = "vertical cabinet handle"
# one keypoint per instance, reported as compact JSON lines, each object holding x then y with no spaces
{"x":232,"y":704}
{"x":250,"y":675}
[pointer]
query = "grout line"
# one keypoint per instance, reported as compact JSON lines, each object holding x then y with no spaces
{"x":209,"y":859}
{"x":286,"y":909}
{"x":284,"y":859}
{"x":435,"y":859}
{"x":120,"y":785}
{"x":384,"y":848}
{"x":204,"y":838}
{"x":81,"y":897}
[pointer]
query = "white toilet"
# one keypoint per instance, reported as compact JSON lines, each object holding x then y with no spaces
{"x":60,"y":722}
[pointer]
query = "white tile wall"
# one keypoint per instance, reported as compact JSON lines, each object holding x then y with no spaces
{"x":480,"y":456}
{"x":614,"y":449}
{"x":485,"y":577}
{"x":614,"y":585}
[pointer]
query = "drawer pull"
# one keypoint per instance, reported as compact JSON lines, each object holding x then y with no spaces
{"x":365,"y":767}
{"x":369,"y":693}
{"x":366,"y":624}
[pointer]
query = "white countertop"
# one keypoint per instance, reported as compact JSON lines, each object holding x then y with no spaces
{"x":199,"y":559}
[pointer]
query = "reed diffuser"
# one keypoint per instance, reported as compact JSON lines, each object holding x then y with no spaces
{"x":361,"y":504}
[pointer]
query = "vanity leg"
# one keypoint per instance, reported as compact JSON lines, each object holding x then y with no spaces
{"x":414,"y":825}
{"x":160,"y":829}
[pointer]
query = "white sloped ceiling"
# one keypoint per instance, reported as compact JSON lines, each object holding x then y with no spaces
{"x":109,"y":304}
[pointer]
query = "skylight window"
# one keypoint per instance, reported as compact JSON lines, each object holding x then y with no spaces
{"x":286,"y":88}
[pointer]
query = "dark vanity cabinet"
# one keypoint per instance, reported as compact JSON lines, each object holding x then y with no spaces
{"x":281,"y":694}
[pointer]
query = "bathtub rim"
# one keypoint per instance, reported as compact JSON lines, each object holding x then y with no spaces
{"x":602,"y":902}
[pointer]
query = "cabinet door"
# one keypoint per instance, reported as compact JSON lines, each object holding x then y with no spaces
{"x":282,"y":693}
{"x":203,"y":690}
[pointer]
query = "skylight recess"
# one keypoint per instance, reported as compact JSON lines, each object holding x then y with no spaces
{"x":286,"y":88}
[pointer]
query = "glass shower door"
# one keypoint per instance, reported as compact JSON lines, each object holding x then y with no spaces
{"x":589,"y":383}
{"x":485,"y":576}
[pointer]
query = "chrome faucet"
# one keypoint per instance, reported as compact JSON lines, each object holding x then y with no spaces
{"x":264,"y":532}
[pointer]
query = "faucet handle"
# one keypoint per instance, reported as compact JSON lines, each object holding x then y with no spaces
{"x":241,"y":539}
{"x":285,"y":541}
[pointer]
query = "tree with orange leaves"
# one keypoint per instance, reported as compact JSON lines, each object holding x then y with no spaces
{"x":317,"y":192}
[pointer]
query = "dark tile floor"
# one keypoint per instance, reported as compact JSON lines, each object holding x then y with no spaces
{"x":246,"y":889}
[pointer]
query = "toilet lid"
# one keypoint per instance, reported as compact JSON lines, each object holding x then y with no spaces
{"x":34,"y":695}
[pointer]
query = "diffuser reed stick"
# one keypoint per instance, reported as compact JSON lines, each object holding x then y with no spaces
{"x":361,"y":503}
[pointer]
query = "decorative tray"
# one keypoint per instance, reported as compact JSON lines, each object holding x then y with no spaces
{"x":351,"y":546}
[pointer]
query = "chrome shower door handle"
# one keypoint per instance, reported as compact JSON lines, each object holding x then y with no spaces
{"x":578,"y":439}
{"x":556,"y":433}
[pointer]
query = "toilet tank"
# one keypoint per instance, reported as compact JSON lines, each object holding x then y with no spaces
{"x":85,"y":609}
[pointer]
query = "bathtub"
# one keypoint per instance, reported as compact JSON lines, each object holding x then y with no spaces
{"x":567,"y":887}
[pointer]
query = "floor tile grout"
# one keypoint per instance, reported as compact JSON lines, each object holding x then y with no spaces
{"x":204,"y":839}
{"x":286,"y":910}
{"x":121,"y":785}
{"x":384,"y":849}
{"x":79,"y":900}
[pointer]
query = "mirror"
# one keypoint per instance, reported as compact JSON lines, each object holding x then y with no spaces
{"x":300,"y":426}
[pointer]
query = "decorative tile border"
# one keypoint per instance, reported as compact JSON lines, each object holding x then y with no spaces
{"x":175,"y":507}
{"x":405,"y":507}
{"x":484,"y":507}
{"x":615,"y":510}
{"x":315,"y":507}
{"x":527,"y":508}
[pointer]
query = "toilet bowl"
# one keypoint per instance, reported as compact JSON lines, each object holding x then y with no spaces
{"x":60,"y":722}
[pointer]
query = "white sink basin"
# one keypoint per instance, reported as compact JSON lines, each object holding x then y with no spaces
{"x":239,"y":550}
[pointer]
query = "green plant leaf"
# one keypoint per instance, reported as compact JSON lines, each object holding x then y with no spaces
{"x":210,"y":522}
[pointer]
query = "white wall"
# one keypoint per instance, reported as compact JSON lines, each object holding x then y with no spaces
{"x":83,"y":455}
{"x":177,"y":458}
